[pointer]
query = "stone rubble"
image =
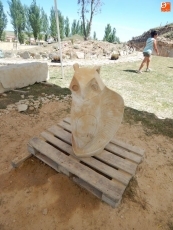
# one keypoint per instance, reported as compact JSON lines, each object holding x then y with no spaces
{"x":78,"y":49}
{"x":21,"y":107}
{"x":30,"y":104}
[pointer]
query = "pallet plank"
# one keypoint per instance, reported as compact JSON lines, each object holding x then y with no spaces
{"x":109,"y":201}
{"x":112,"y":147}
{"x":118,"y":162}
{"x":108,"y":157}
{"x":57,"y":142}
{"x":67,"y":120}
{"x":128,"y":147}
{"x":16,"y":162}
{"x":109,"y":188}
{"x":120,"y":176}
{"x":66,"y":123}
{"x":88,"y":187}
{"x":50,"y":162}
{"x":115,"y":174}
{"x":47,"y":161}
{"x":123,"y":153}
{"x":60,"y":133}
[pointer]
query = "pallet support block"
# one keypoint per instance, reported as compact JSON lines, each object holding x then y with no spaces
{"x":105,"y":175}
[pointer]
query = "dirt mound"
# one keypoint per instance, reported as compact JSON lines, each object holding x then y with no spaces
{"x":164,"y":40}
{"x":163,"y":32}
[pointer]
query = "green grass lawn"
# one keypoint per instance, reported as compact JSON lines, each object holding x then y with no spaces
{"x":149,"y":91}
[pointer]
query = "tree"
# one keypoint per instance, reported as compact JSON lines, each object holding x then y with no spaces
{"x":94,"y":36}
{"x":113,"y":35}
{"x":3,"y":37}
{"x":77,"y":27}
{"x":45,"y":24}
{"x":21,"y":37}
{"x":61,"y":24}
{"x":88,"y":28}
{"x":3,"y":20}
{"x":17,"y":14}
{"x":35,"y":19}
{"x":81,"y":29}
{"x":67,"y":27}
{"x":28,"y":28}
{"x":110,"y":35}
{"x":53,"y":26}
{"x":117,"y":40}
{"x":73,"y":27}
{"x":95,"y":6}
{"x":108,"y":30}
{"x":113,"y":38}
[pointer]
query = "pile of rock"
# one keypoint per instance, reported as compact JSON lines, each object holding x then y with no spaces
{"x":73,"y":50}
{"x":30,"y":104}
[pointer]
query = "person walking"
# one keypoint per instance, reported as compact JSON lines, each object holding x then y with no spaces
{"x":150,"y":44}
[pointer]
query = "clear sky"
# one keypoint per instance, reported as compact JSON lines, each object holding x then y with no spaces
{"x":130,"y":17}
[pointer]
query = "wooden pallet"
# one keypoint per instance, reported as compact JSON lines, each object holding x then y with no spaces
{"x":105,"y":175}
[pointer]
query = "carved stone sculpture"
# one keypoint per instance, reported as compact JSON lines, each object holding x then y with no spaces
{"x":96,"y":112}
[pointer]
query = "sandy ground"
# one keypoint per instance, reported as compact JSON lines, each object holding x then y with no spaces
{"x":36,"y":197}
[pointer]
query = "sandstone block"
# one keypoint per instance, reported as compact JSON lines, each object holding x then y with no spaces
{"x":37,"y":56}
{"x":22,"y":107}
{"x":22,"y":75}
{"x":80,"y":55}
{"x":8,"y":55}
{"x":114,"y":56}
{"x":25,"y":55}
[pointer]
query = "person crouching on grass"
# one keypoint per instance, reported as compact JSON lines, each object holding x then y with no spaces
{"x":150,"y":43}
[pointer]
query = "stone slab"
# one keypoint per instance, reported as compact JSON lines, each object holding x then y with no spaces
{"x":22,"y":75}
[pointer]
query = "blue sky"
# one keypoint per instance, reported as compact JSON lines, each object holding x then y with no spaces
{"x":129,"y":17}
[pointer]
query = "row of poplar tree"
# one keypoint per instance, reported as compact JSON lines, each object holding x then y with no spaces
{"x":33,"y":21}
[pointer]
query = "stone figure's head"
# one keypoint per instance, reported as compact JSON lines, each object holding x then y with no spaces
{"x":86,"y":82}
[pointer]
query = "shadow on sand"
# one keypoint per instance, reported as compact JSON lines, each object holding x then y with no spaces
{"x":152,"y":124}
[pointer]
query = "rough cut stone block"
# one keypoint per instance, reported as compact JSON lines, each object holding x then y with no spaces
{"x":80,"y":55}
{"x":8,"y":55}
{"x":22,"y":107}
{"x":25,"y":55}
{"x":22,"y":75}
{"x":37,"y":56}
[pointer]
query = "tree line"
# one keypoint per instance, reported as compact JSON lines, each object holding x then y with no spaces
{"x":33,"y":21}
